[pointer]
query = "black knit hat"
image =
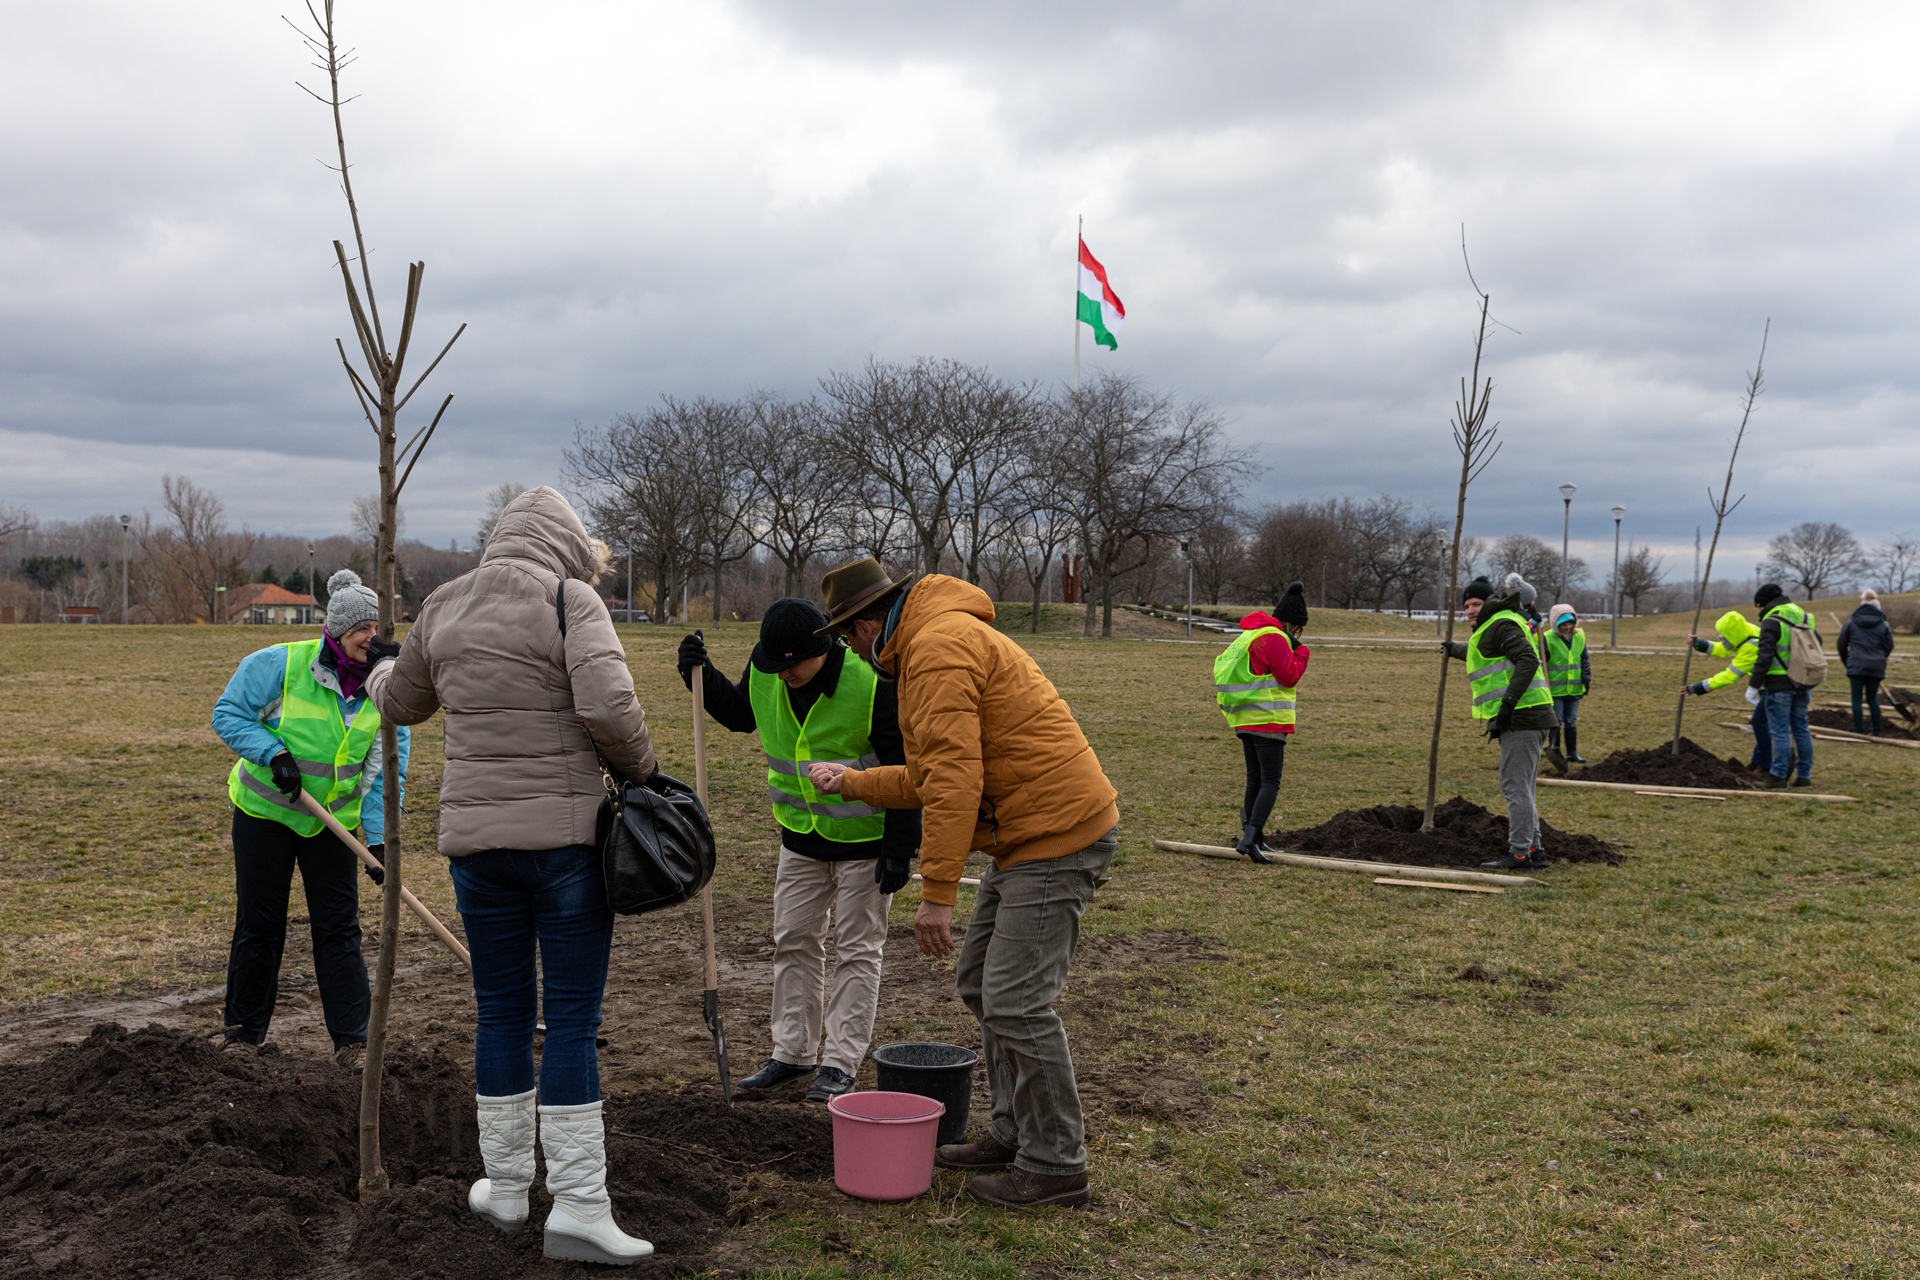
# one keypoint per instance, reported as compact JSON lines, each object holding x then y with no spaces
{"x":1293,"y":605}
{"x":1478,"y":589}
{"x":790,"y":633}
{"x":1767,"y":595}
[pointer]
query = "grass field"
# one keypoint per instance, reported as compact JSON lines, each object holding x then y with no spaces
{"x":1700,"y":1062}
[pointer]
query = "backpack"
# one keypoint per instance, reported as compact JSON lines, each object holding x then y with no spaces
{"x":1806,"y":661}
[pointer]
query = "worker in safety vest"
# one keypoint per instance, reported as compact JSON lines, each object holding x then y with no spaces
{"x":1253,"y":685}
{"x":1509,"y":697}
{"x":810,"y":700}
{"x":1739,"y":644}
{"x":1786,"y":702}
{"x":1569,"y":676}
{"x":299,"y":719}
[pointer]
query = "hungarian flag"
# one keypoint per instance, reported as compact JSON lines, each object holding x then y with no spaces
{"x":1099,"y":304}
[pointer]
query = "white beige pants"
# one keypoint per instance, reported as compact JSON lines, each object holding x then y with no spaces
{"x":805,"y":893}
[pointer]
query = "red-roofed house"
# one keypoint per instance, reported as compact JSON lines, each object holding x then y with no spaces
{"x":265,"y":603}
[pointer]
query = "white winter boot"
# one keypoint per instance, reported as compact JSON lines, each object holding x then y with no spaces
{"x":581,"y":1226}
{"x":506,"y":1145}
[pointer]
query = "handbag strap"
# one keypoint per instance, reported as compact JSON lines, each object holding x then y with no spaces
{"x":606,"y":770}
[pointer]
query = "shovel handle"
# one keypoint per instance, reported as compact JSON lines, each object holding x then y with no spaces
{"x":700,"y":789}
{"x":414,"y":904}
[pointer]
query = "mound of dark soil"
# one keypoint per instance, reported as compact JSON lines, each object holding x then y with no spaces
{"x":1464,"y":834}
{"x":1892,"y":725}
{"x":153,"y":1154}
{"x":1695,"y":766}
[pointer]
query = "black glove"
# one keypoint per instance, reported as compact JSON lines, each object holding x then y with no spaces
{"x":379,"y":650}
{"x":1698,"y":690}
{"x":693,"y":653}
{"x":1500,"y":723}
{"x":892,"y":874}
{"x":377,"y":874}
{"x":286,"y":776}
{"x":1701,"y":646}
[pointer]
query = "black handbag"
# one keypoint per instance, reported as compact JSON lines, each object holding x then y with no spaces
{"x":655,"y":842}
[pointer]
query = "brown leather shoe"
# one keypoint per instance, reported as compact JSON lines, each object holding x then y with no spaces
{"x":983,"y":1155}
{"x":1019,"y":1189}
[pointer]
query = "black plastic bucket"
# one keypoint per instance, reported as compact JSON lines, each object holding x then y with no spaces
{"x":943,"y":1072}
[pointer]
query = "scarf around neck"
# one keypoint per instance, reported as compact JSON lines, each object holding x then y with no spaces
{"x":352,"y":674}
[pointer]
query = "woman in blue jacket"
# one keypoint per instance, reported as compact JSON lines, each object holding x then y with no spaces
{"x":299,"y":720}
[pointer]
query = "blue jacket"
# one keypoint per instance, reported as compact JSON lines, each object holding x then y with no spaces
{"x":248,"y":714}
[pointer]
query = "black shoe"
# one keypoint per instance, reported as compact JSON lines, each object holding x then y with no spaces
{"x":775,"y":1074}
{"x":1574,"y":759}
{"x":1512,"y":862}
{"x":829,"y":1084}
{"x":1253,"y":844}
{"x":1537,"y":856}
{"x":1773,"y":782}
{"x":1802,"y":782}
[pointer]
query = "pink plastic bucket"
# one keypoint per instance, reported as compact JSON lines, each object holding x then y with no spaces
{"x":883,"y":1144}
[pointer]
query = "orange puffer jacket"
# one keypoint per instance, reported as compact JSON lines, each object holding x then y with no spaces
{"x":994,"y":755}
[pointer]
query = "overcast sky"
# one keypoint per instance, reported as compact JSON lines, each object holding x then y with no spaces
{"x":623,"y":200}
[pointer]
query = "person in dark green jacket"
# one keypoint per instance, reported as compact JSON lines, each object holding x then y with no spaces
{"x":1510,"y":697}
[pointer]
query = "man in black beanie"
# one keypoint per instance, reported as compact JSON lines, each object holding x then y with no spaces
{"x":837,"y":858}
{"x":1786,"y":703}
{"x":1509,"y":697}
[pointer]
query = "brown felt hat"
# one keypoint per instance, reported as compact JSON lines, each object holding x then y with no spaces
{"x":852,"y":587}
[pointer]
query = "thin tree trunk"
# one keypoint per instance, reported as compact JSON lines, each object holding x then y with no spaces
{"x":1720,"y":512}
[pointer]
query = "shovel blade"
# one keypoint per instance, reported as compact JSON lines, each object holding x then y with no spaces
{"x":710,"y":1009}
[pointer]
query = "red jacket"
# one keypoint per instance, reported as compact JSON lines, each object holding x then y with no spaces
{"x":1271,"y":655}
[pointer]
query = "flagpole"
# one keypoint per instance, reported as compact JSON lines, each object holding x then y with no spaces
{"x":1079,"y":236}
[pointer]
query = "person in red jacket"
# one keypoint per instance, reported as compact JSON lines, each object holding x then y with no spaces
{"x":1279,"y":657}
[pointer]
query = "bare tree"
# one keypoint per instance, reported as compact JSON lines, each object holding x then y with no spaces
{"x":1041,"y":501}
{"x":497,"y":499}
{"x":1300,"y":541}
{"x":640,"y":468}
{"x":365,"y":520}
{"x":1218,"y":547}
{"x":199,"y":557}
{"x":724,"y":488}
{"x":381,"y":399}
{"x":15,"y":520}
{"x":803,"y":487}
{"x":1896,"y":564}
{"x":1721,"y":509}
{"x":1139,"y":468}
{"x":1476,"y":443}
{"x":1640,"y":574}
{"x":1423,"y":559}
{"x":1527,"y":556}
{"x":1816,"y":555}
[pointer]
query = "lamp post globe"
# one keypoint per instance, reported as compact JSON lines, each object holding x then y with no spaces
{"x":1566,"y":496}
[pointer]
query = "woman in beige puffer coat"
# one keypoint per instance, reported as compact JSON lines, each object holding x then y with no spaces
{"x":525,"y":707}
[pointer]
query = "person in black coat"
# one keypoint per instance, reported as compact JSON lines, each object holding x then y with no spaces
{"x":1866,"y":642}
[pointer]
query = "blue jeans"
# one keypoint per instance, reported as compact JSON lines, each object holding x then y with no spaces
{"x":1567,"y":711}
{"x":1787,"y":719}
{"x":512,"y":901}
{"x":1762,"y":739}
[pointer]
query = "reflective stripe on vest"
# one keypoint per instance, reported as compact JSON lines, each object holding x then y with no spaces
{"x":1563,"y":663}
{"x":1788,"y":612}
{"x":1243,"y":697}
{"x":331,"y":754}
{"x":1489,"y":676}
{"x":839,"y":730}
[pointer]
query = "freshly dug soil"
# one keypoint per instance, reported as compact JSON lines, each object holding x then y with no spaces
{"x":1464,"y":834}
{"x":153,"y":1154}
{"x":1892,"y":724}
{"x":1695,"y":766}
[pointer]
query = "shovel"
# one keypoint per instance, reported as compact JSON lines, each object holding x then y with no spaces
{"x":427,"y":917}
{"x":710,"y":998}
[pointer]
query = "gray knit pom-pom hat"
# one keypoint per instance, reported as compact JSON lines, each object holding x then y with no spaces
{"x":350,"y":602}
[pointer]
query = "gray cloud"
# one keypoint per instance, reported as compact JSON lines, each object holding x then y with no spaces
{"x":624,"y":202}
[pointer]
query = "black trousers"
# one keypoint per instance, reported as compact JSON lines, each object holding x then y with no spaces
{"x":1266,"y":755}
{"x":265,"y":853}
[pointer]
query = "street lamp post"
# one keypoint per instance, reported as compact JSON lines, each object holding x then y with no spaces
{"x":1185,"y":550}
{"x":1566,"y":525}
{"x":126,"y":532}
{"x":630,"y":573}
{"x":219,"y":603}
{"x":1618,"y":512}
{"x":313,"y":588}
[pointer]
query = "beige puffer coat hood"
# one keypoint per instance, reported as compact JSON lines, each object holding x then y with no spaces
{"x":520,"y":699}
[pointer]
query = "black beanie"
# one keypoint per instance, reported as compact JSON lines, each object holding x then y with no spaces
{"x":1478,"y":589}
{"x":1767,"y":595}
{"x":1293,"y":605}
{"x":788,"y":635}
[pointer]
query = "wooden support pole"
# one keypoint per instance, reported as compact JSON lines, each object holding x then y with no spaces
{"x":1641,"y":789}
{"x":1348,"y":864}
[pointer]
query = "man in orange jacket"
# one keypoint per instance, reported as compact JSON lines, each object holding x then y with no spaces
{"x":996,"y":763}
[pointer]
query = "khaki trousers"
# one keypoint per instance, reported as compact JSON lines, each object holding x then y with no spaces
{"x":806,"y":892}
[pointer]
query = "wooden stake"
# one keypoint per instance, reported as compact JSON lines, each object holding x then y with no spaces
{"x":1640,"y":789}
{"x":1348,"y":864}
{"x":1440,"y":884}
{"x":1834,"y":735}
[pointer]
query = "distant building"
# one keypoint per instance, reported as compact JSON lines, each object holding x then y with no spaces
{"x":264,"y":603}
